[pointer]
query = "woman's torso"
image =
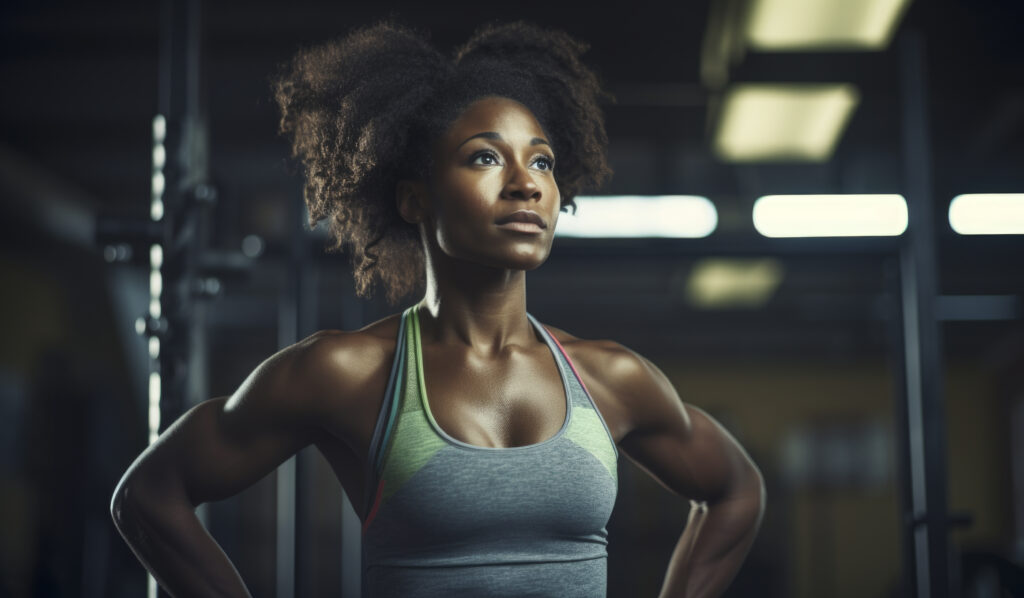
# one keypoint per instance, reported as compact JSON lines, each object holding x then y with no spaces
{"x":448,"y":516}
{"x":520,"y":390}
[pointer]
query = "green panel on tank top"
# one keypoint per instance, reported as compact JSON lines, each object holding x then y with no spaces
{"x":587,"y":431}
{"x":414,"y":442}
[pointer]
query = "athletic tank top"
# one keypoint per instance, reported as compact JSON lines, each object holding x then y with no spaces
{"x":449,"y":518}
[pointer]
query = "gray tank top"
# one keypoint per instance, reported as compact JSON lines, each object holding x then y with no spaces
{"x":447,"y":518}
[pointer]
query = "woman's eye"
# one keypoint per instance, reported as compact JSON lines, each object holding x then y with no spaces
{"x":545,"y":160}
{"x":489,"y":159}
{"x":493,"y":159}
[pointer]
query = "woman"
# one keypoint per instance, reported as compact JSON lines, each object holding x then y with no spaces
{"x":478,"y":446}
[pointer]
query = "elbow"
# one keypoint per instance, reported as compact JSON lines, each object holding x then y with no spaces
{"x":121,"y":502}
{"x":752,"y":483}
{"x":748,"y":489}
{"x":128,"y":504}
{"x":755,"y":481}
{"x":144,"y":496}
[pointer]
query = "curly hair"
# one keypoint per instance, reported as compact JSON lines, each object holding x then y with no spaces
{"x":361,"y":113}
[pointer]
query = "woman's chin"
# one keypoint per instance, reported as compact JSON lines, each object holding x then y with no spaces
{"x":519,"y":262}
{"x":529,"y":261}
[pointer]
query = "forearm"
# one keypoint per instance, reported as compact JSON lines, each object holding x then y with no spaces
{"x":713,"y":546}
{"x":173,"y":545}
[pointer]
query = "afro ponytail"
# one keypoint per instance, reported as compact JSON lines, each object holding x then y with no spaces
{"x":361,"y":113}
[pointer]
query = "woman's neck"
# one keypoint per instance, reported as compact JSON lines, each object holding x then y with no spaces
{"x":480,"y":308}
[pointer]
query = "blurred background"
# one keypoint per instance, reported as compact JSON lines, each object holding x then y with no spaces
{"x":812,"y":283}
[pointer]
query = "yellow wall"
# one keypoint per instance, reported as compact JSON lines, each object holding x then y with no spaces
{"x":847,"y":543}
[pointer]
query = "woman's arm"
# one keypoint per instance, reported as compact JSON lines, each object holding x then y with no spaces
{"x":689,"y":453}
{"x":215,"y":450}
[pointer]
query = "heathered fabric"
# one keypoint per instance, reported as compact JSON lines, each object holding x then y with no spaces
{"x":449,"y":518}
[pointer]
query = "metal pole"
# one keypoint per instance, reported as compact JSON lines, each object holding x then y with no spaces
{"x":901,"y":423}
{"x":287,"y":331}
{"x":927,"y":530}
{"x":352,"y":318}
{"x":179,"y":169}
{"x":297,"y":319}
{"x":306,"y":323}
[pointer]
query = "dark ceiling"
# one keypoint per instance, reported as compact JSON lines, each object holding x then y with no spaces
{"x":80,"y":90}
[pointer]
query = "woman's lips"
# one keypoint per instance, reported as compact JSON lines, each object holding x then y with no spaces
{"x":524,"y":216}
{"x":522,"y":227}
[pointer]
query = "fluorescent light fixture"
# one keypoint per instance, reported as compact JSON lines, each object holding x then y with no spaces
{"x":674,"y":216}
{"x":727,"y":282}
{"x":987,"y":214}
{"x":823,"y":24}
{"x":830,"y":215}
{"x":771,"y":121}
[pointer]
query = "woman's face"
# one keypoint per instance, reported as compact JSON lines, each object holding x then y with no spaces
{"x":493,"y":161}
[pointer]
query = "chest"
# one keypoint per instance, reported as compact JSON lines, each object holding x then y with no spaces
{"x":516,"y":400}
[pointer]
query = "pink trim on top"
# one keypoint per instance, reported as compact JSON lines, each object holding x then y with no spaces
{"x":584,"y":385}
{"x":564,"y":354}
{"x":376,"y":504}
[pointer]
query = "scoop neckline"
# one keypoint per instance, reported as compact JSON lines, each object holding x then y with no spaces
{"x":424,"y":401}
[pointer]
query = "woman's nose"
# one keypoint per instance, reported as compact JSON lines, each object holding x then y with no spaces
{"x":521,"y":184}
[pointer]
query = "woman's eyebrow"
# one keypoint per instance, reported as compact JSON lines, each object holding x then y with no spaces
{"x":493,"y":135}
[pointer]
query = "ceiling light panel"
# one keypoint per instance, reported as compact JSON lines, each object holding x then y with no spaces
{"x":803,"y":25}
{"x":773,"y":122}
{"x":883,"y":215}
{"x":673,"y":216}
{"x":987,"y":214}
{"x":717,"y":283}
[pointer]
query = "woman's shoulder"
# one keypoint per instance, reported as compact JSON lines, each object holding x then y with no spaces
{"x":616,"y":377}
{"x":631,"y":391}
{"x":605,"y":359}
{"x":351,"y":358}
{"x":340,"y":369}
{"x":346,"y":372}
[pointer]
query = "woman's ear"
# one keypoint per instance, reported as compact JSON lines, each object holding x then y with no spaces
{"x":410,"y":197}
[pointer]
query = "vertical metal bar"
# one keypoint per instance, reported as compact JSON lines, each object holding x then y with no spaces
{"x":351,"y":550}
{"x":285,"y":579}
{"x":297,"y":319}
{"x":926,"y":411}
{"x":287,"y":332}
{"x":179,"y":129}
{"x":901,"y":424}
{"x":1017,"y":468}
{"x":172,"y":108}
{"x":306,"y":322}
{"x":352,"y":318}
